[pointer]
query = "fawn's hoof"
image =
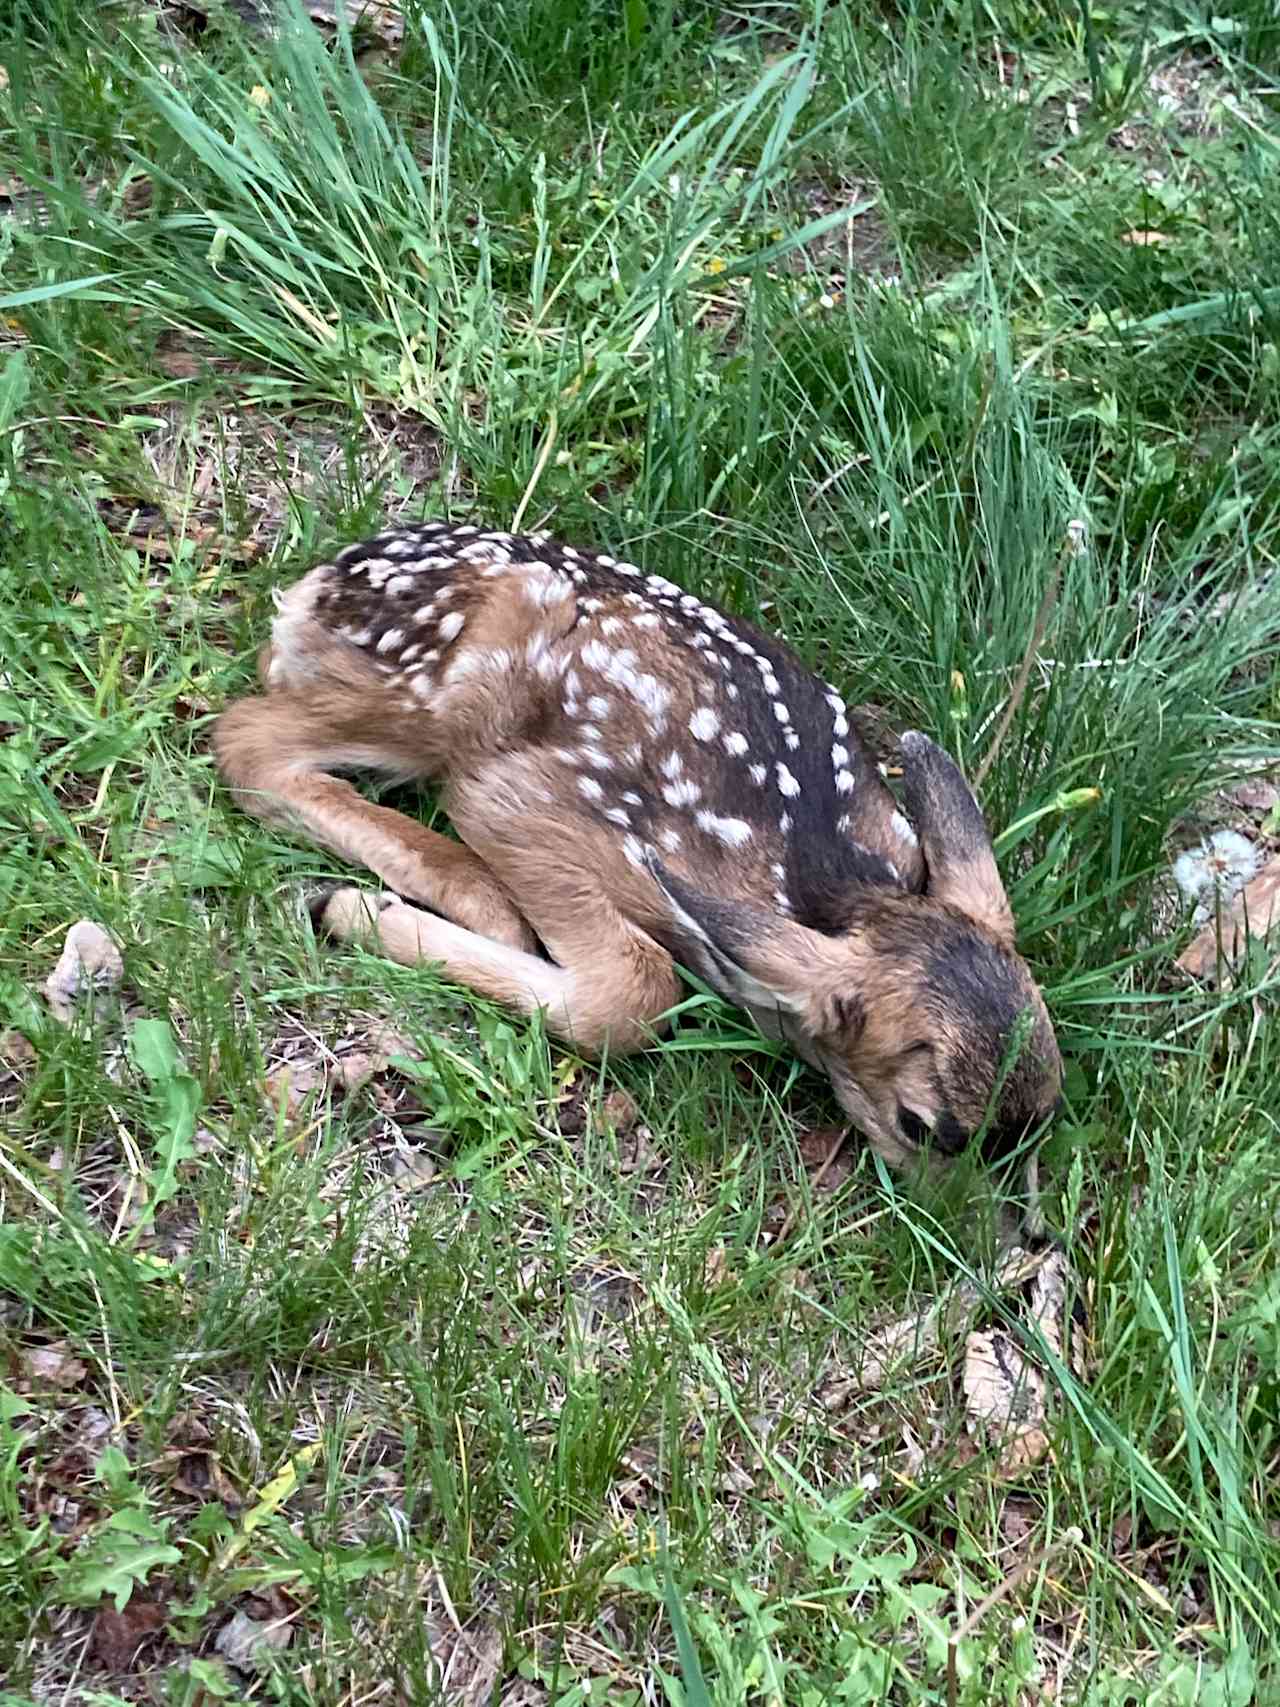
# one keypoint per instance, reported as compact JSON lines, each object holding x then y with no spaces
{"x":341,"y":910}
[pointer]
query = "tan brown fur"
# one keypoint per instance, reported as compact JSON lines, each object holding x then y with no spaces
{"x":638,"y":778}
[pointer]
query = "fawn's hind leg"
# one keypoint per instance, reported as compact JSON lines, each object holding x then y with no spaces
{"x":609,"y":999}
{"x":276,"y":753}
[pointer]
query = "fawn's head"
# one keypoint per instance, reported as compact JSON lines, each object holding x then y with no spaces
{"x":926,"y":1020}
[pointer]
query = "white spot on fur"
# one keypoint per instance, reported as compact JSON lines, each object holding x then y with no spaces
{"x":734,"y":832}
{"x":844,"y":782}
{"x":757,"y":774}
{"x":409,"y":654}
{"x":611,"y":625}
{"x":421,"y":686}
{"x":544,"y":588}
{"x":905,"y":830}
{"x":632,"y":798}
{"x":779,"y":871}
{"x":784,"y":823}
{"x":684,"y":793}
{"x":362,"y":637}
{"x":472,"y":664}
{"x":538,"y":652}
{"x":391,"y":639}
{"x":633,"y":850}
{"x":670,"y":840}
{"x":704,"y":724}
{"x":598,"y":706}
{"x":424,"y":613}
{"x":781,"y":712}
{"x":792,"y":740}
{"x":841,"y":726}
{"x":647,"y":619}
{"x":617,"y":816}
{"x":589,"y":788}
{"x":596,"y":759}
{"x":589,"y":732}
{"x":399,"y":584}
{"x":786,"y":782}
{"x":735,"y":744}
{"x":672,"y":765}
{"x":839,"y":756}
{"x":836,"y":703}
{"x":595,"y":655}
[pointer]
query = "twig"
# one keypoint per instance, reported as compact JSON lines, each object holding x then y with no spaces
{"x":1073,"y":546}
{"x":1069,"y":1538}
{"x":548,"y":445}
{"x":814,"y":1183}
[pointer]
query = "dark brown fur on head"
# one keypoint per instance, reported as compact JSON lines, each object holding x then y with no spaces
{"x":928,"y":1022}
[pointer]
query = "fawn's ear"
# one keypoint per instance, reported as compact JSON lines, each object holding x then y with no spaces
{"x":766,"y":961}
{"x":953,"y":837}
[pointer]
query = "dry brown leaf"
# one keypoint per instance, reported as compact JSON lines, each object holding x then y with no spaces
{"x":825,"y":1145}
{"x":52,"y":1366}
{"x":17,"y":1052}
{"x":188,"y":1429}
{"x":117,"y":1636}
{"x":715,"y":1266}
{"x":201,"y":1477}
{"x":1051,"y":1304}
{"x":166,"y":548}
{"x":1146,"y":239}
{"x":918,"y":1336}
{"x":1019,"y":1520}
{"x":383,"y":18}
{"x":1005,"y":1395}
{"x":469,"y":1663}
{"x":249,"y":1645}
{"x":636,"y":1155}
{"x":619,"y":1111}
{"x":1257,"y":794}
{"x":89,"y":965}
{"x":1214,"y":953}
{"x":412,"y":1169}
{"x":290,"y":1085}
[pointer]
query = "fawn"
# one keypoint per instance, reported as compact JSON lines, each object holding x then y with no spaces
{"x":638,"y":778}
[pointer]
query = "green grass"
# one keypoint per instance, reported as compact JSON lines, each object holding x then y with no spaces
{"x":836,"y":317}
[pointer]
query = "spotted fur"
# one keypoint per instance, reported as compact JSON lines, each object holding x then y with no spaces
{"x":635,"y":774}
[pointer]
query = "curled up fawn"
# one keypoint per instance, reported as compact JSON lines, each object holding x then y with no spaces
{"x":639,"y":779}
